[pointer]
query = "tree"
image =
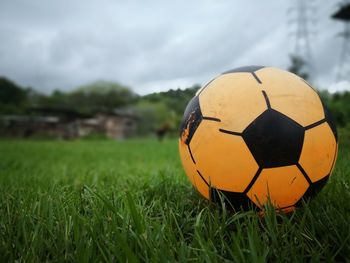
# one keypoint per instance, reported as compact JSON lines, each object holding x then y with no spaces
{"x":13,"y":98}
{"x":98,"y":96}
{"x":297,"y":66}
{"x":101,"y":96}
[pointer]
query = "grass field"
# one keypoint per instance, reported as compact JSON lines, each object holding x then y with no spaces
{"x":103,"y":201}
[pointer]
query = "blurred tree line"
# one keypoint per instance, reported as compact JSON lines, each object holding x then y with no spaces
{"x":153,"y":111}
{"x":339,"y":105}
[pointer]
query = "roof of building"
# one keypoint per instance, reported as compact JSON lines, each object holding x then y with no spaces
{"x":343,"y":13}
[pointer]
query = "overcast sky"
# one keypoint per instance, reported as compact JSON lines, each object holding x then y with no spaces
{"x":154,"y":45}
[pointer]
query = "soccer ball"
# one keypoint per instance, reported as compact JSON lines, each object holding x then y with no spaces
{"x":257,"y":135}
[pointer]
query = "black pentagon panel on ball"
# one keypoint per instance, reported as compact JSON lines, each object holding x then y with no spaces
{"x":191,"y":120}
{"x":232,"y":200}
{"x":249,"y":69}
{"x":274,"y":139}
{"x":330,"y":121}
{"x":313,"y":190}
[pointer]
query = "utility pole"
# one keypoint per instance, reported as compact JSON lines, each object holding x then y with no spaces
{"x":301,"y":13}
{"x":343,"y":15}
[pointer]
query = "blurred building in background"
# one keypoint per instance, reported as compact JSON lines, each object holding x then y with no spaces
{"x":68,"y":124}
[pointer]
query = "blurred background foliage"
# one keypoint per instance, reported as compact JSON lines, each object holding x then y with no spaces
{"x":153,"y":111}
{"x":96,"y":97}
{"x":339,"y":105}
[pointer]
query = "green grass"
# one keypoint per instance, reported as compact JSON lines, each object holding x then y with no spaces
{"x":103,"y":201}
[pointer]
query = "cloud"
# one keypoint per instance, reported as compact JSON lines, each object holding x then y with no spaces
{"x":340,"y":86}
{"x":150,"y":46}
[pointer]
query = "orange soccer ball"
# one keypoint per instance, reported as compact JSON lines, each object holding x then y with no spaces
{"x":257,"y":134}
